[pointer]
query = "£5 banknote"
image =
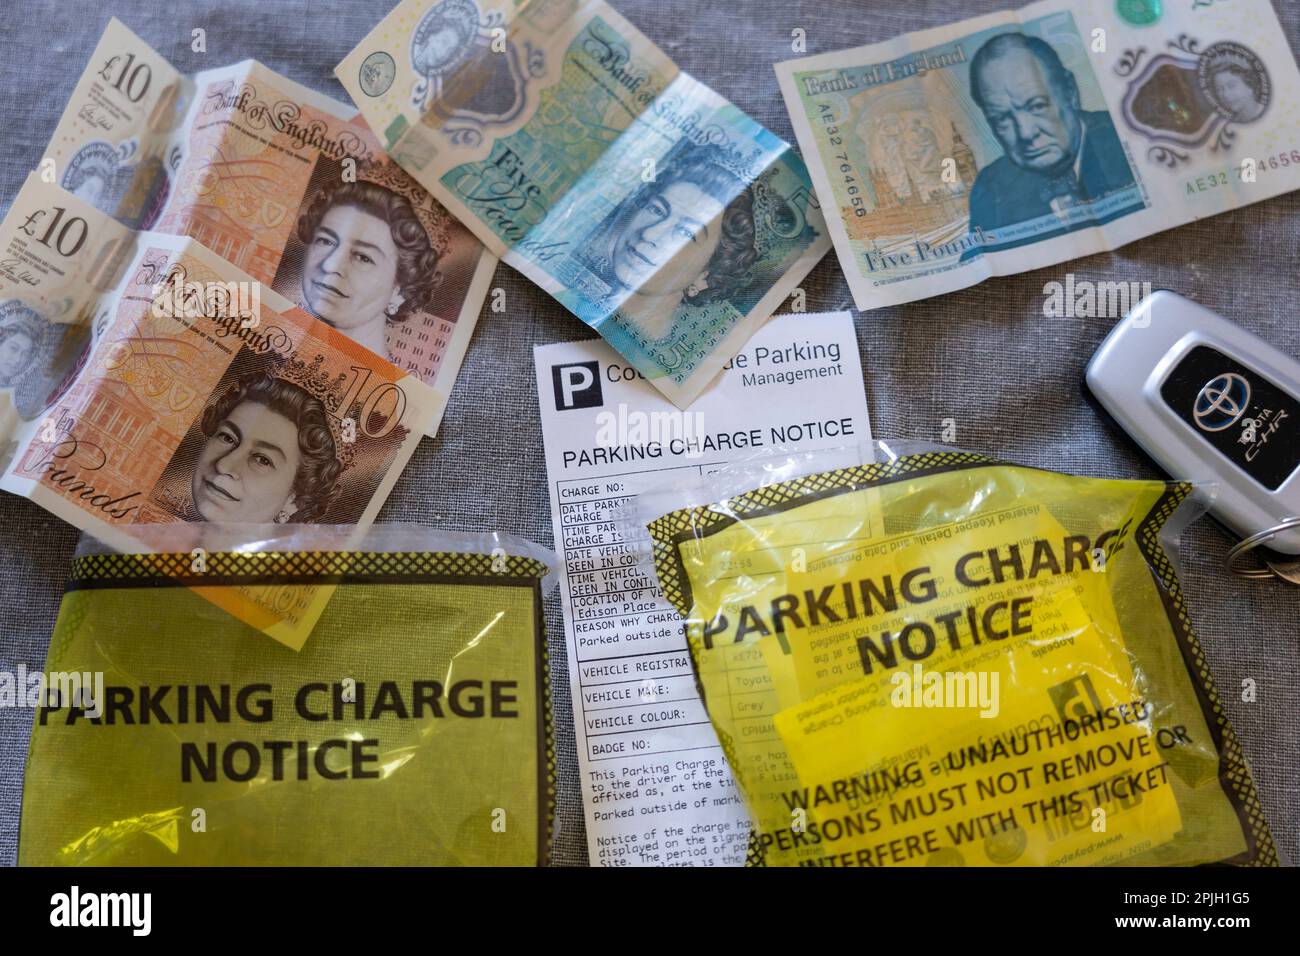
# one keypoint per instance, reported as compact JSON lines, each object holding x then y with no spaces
{"x":654,"y":210}
{"x":1022,"y":139}
{"x":145,"y":381}
{"x":286,"y":184}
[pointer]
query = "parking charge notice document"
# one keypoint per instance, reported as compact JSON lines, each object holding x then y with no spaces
{"x":655,"y":785}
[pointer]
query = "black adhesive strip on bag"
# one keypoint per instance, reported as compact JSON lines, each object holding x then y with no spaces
{"x":1261,"y":850}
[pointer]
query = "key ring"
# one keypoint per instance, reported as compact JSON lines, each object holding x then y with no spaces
{"x":1255,"y":540}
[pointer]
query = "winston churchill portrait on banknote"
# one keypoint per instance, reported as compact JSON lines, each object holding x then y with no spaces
{"x":1056,"y":155}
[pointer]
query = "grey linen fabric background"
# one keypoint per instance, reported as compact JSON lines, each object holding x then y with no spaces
{"x":986,"y":357}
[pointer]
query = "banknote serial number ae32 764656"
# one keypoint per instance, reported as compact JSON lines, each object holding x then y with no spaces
{"x":831,"y":130}
{"x":1247,"y":171}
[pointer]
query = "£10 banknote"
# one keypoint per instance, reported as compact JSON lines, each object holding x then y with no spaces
{"x":287,"y":185}
{"x":145,"y":381}
{"x":649,"y":206}
{"x":1022,"y":139}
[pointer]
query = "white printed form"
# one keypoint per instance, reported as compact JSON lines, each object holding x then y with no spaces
{"x":655,"y":786}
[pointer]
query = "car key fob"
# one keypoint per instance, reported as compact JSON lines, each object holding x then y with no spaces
{"x":1209,"y":401}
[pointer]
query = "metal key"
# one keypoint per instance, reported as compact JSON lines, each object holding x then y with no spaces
{"x":1286,"y":568}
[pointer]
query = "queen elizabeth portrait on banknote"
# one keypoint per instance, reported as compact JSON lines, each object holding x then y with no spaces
{"x":36,"y":356}
{"x":36,"y":359}
{"x":269,"y":455}
{"x":687,"y":238}
{"x":368,"y":261}
{"x":1236,"y":82}
{"x":21,"y":333}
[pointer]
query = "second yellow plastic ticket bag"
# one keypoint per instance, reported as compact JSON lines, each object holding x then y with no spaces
{"x":941,"y":659}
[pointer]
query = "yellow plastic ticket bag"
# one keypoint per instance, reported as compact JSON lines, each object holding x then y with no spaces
{"x":412,"y":728}
{"x":941,"y":659}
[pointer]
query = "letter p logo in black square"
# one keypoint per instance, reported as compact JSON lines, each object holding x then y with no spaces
{"x":577,"y":385}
